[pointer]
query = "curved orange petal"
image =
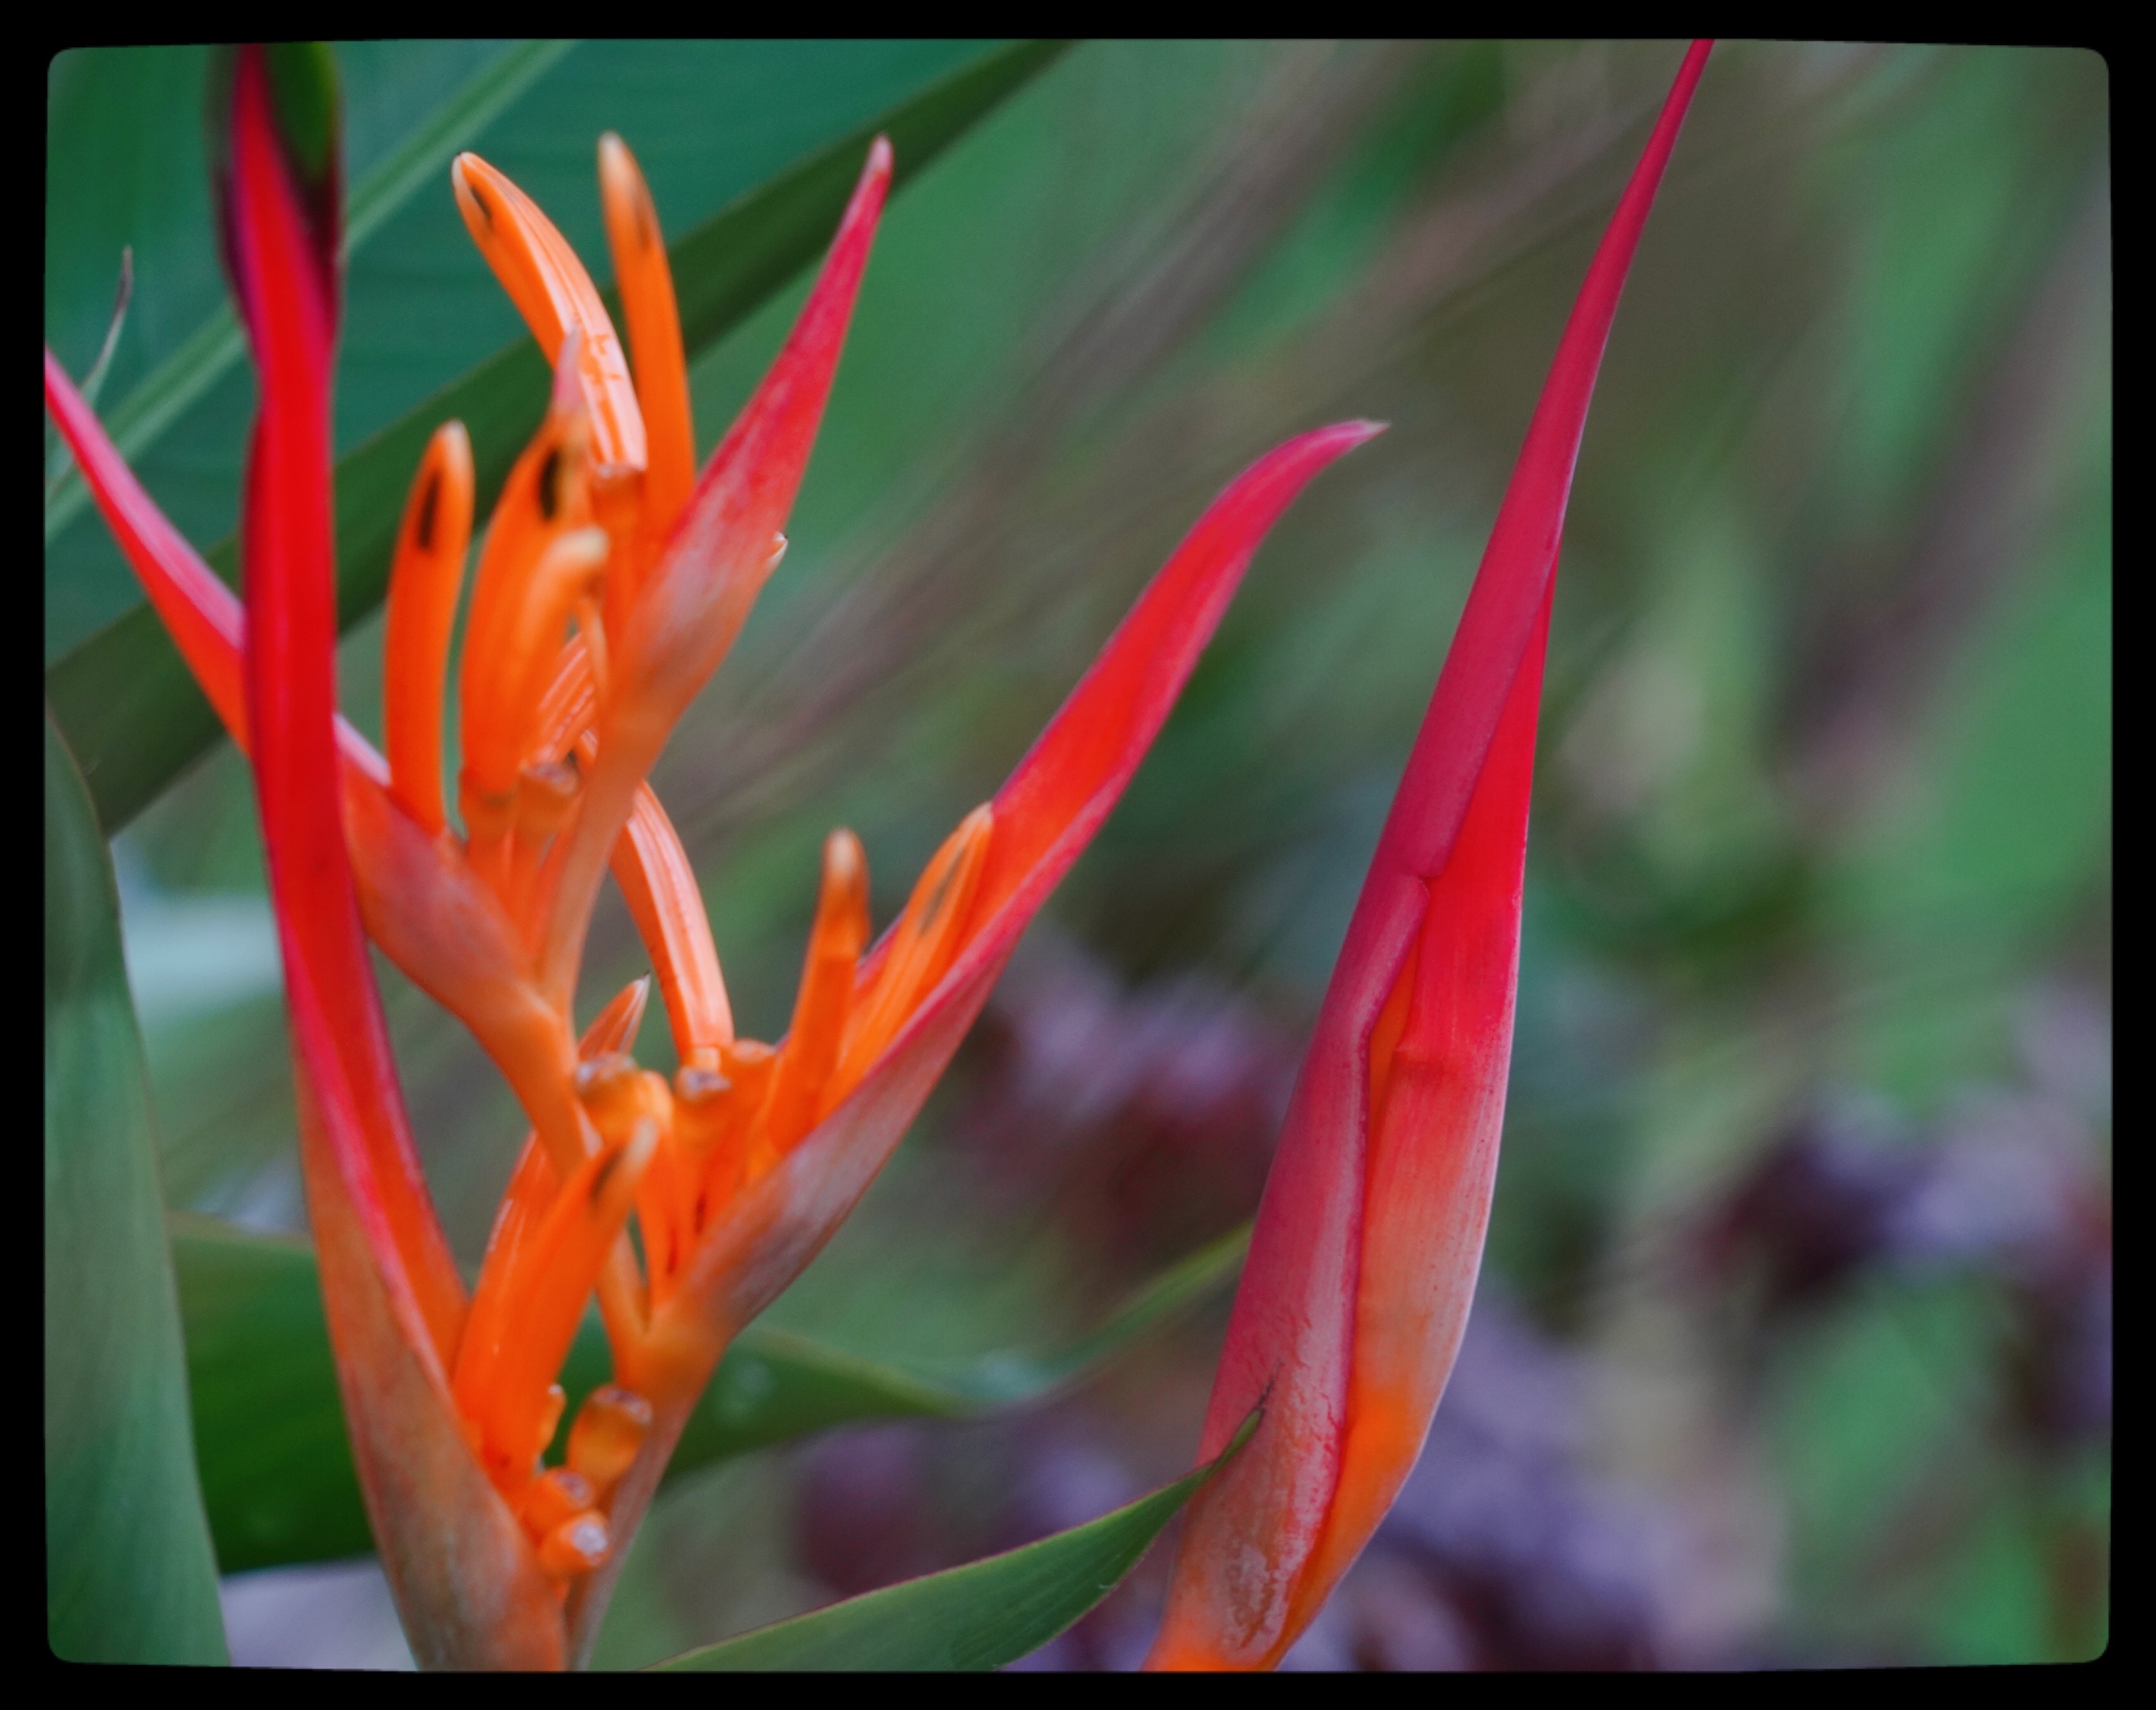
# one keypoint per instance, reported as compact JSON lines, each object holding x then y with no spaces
{"x":555,"y":296}
{"x":662,"y":373}
{"x":660,"y":886}
{"x":423,"y":579}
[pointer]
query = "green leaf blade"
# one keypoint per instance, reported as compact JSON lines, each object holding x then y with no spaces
{"x":269,"y":1429}
{"x":130,"y":1576}
{"x":978,"y":1616}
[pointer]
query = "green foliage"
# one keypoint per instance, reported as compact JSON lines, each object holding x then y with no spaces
{"x":128,"y":1571}
{"x":268,"y":1431}
{"x":979,"y":1616}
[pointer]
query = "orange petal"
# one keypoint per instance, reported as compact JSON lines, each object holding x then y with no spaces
{"x":821,"y":1006}
{"x":653,"y":871}
{"x":555,"y":296}
{"x":424,"y":580}
{"x":532,"y":1184}
{"x":501,"y":1379}
{"x":571,"y":703}
{"x":717,"y":1115}
{"x":662,"y":374}
{"x":523,"y":657}
{"x":544,"y":498}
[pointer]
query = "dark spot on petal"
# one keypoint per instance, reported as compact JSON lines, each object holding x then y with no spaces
{"x":605,"y":1173}
{"x":700,"y":1212}
{"x":550,"y":484}
{"x":423,"y":534}
{"x":486,"y":208}
{"x":939,"y":896}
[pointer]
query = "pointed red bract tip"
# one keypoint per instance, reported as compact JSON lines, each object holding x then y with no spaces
{"x":1368,"y":1242}
{"x":1042,"y":818}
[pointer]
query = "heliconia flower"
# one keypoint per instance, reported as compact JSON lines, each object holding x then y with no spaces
{"x":1362,"y":1264}
{"x":612,"y":581}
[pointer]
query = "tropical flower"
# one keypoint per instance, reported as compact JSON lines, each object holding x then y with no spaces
{"x":612,"y":579}
{"x":1362,"y":1264}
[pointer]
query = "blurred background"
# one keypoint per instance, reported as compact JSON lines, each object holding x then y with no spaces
{"x":1793,"y":1345}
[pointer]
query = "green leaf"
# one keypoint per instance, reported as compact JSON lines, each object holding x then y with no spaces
{"x":774,"y":1384}
{"x":979,"y":1616}
{"x":129,"y":1573}
{"x":276,"y":1468}
{"x":123,"y":698}
{"x":180,"y":381}
{"x":270,"y":1437}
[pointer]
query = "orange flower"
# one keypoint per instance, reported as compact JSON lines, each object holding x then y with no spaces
{"x":611,"y":584}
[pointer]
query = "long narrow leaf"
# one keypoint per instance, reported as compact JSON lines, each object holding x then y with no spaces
{"x":979,"y":1616}
{"x":128,"y":1571}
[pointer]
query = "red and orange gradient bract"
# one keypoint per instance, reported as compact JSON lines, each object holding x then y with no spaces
{"x":612,"y":581}
{"x":1364,"y":1262}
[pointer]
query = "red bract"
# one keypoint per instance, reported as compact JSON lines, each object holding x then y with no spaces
{"x":609,"y":587}
{"x":1364,"y":1262}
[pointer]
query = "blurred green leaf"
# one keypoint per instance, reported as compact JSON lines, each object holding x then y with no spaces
{"x":128,"y":1569}
{"x":979,"y":1616}
{"x":123,"y":697}
{"x":276,"y":1468}
{"x":270,"y":1438}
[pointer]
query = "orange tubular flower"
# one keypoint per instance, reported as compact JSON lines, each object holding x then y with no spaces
{"x":1362,"y":1264}
{"x":612,"y":583}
